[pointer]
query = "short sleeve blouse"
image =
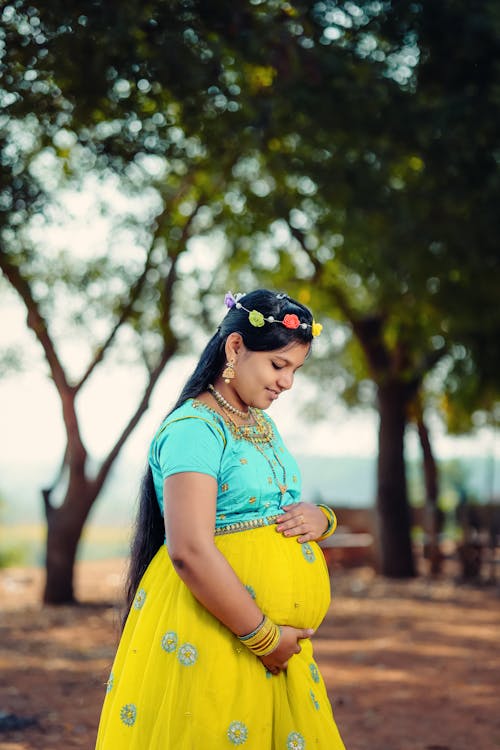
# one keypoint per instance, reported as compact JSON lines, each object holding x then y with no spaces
{"x":196,"y":438}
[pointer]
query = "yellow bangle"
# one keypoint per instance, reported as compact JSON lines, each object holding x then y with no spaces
{"x":332,"y":521}
{"x":264,"y":639}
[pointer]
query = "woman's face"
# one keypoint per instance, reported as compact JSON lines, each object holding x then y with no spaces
{"x":260,"y":377}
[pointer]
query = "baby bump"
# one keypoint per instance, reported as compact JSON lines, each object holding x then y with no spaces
{"x":288,"y":580}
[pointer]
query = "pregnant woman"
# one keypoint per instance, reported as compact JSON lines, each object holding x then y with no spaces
{"x":226,"y":581}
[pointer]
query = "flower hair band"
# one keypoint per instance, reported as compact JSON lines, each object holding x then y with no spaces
{"x":257,"y":319}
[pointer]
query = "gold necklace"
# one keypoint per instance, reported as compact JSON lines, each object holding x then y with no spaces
{"x":282,"y":485}
{"x":264,"y":436}
{"x":259,"y":430}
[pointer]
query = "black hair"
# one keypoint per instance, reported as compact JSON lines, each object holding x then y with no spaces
{"x":149,"y":526}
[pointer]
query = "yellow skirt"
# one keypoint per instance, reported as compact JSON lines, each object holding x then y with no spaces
{"x":182,"y":681}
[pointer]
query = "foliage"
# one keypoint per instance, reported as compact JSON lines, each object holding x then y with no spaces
{"x":347,"y":149}
{"x":257,"y":115}
{"x":393,"y":215}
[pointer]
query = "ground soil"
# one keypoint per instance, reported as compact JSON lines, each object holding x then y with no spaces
{"x":409,"y":665}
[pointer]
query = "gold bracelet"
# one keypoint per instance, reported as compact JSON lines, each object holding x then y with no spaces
{"x":264,"y":639}
{"x":332,"y":521}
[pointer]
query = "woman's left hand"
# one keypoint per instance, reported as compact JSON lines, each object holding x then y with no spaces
{"x":304,"y":520}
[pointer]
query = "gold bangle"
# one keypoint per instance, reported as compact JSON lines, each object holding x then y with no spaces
{"x":332,"y":521}
{"x":264,"y":639}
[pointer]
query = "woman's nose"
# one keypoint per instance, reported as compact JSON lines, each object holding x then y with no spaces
{"x":285,"y":380}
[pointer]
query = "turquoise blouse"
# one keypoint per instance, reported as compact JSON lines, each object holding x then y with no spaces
{"x":195,"y":437}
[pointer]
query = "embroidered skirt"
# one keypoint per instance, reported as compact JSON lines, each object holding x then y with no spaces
{"x":182,"y":681}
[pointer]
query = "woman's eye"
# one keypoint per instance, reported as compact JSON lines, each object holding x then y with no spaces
{"x":277,"y":367}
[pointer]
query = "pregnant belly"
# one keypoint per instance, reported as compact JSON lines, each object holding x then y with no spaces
{"x":288,"y":580}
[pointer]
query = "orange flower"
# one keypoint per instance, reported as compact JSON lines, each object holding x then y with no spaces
{"x":291,"y":321}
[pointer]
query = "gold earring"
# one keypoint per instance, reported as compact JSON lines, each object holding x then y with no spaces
{"x":229,"y":371}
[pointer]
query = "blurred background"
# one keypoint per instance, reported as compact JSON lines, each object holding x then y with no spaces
{"x":154,"y":155}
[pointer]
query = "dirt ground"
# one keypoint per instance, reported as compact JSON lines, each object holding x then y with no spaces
{"x":409,"y":665}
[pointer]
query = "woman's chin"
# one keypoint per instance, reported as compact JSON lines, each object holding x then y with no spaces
{"x":271,"y":396}
{"x":267,"y":401}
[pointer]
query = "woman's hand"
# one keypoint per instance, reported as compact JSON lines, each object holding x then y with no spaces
{"x":277,"y":660}
{"x":304,"y":520}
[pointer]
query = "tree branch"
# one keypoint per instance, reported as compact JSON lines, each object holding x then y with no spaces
{"x":131,"y":299}
{"x":139,"y":284}
{"x":172,"y":273}
{"x":430,"y":360}
{"x":168,"y":351}
{"x":319,"y":274}
{"x":36,"y":322}
{"x":76,"y":451}
{"x":155,"y":373}
{"x":47,"y":491}
{"x":368,"y":331}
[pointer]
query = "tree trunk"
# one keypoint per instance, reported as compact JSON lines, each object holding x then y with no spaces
{"x":394,"y":518}
{"x":64,"y":527}
{"x":433,"y":515}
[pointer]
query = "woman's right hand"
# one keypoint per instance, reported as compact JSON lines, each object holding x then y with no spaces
{"x":277,"y":660}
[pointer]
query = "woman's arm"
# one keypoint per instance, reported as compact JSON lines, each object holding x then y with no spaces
{"x":190,"y":506}
{"x":190,"y":503}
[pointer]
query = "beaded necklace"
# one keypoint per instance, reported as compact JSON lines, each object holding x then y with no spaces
{"x":246,"y":415}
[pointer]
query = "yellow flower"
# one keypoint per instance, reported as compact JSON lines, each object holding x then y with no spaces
{"x":316,"y":328}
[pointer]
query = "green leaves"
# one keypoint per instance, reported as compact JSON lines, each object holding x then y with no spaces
{"x":349,"y":148}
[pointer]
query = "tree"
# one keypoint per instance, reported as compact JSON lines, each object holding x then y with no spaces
{"x":254,"y":118}
{"x":57,"y":131}
{"x":388,"y":201}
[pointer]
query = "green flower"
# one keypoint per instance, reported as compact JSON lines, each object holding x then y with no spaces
{"x":256,"y":318}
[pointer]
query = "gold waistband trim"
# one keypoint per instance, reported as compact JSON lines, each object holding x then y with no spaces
{"x":253,"y":523}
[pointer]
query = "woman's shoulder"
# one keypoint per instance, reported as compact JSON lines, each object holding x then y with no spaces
{"x":189,"y":439}
{"x":193,"y":416}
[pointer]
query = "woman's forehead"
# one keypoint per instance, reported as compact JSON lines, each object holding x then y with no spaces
{"x":293,"y":352}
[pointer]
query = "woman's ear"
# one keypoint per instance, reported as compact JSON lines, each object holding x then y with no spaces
{"x":234,"y":344}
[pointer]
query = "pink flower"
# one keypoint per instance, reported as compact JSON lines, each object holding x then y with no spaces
{"x":291,"y":321}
